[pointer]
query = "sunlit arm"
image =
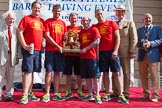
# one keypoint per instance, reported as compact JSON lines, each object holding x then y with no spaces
{"x":22,"y":40}
{"x":117,"y":43}
{"x":52,"y":42}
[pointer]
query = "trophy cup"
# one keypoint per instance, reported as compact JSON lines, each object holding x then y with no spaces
{"x":71,"y":42}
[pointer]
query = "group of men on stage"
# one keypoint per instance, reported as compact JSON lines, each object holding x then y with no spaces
{"x":105,"y":47}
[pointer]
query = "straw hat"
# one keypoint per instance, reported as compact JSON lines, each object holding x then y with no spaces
{"x":120,"y":7}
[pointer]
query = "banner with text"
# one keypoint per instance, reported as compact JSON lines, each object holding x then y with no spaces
{"x":81,"y":7}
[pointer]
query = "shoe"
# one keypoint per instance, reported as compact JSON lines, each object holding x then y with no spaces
{"x":98,"y":100}
{"x":122,"y":99}
{"x":32,"y":97}
{"x":145,"y":97}
{"x":80,"y":95}
{"x":24,"y":99}
{"x":114,"y":95}
{"x":58,"y":97}
{"x":46,"y":98}
{"x":68,"y":95}
{"x":8,"y":97}
{"x":154,"y":100}
{"x":127,"y":97}
{"x":88,"y":97}
{"x":106,"y":97}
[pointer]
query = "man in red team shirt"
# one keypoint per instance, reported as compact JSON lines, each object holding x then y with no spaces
{"x":55,"y":29}
{"x":72,"y":61}
{"x":30,"y":30}
{"x":108,"y":58}
{"x":89,"y":38}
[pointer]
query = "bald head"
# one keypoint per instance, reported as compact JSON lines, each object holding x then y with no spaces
{"x":147,"y":19}
{"x":85,"y":22}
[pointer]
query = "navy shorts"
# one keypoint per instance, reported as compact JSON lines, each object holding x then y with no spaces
{"x":31,"y":62}
{"x":72,"y":64}
{"x":106,"y":62}
{"x":89,"y":68}
{"x":54,"y":61}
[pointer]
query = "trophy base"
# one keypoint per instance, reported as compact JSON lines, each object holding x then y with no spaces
{"x":72,"y":51}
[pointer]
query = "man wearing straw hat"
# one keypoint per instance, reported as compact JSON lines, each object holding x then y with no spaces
{"x":127,"y":48}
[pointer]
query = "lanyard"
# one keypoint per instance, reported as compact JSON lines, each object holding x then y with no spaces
{"x":147,"y":29}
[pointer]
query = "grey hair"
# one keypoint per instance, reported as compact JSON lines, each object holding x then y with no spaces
{"x":7,"y":13}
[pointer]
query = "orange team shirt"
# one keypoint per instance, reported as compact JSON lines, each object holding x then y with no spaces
{"x":107,"y":30}
{"x":57,"y":29}
{"x":86,"y":37}
{"x":33,"y":30}
{"x":77,"y":30}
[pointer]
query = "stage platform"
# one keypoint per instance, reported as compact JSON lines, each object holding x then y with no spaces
{"x":134,"y":102}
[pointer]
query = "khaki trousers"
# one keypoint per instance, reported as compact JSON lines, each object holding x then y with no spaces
{"x":125,"y":64}
{"x":7,"y":73}
{"x":146,"y":67}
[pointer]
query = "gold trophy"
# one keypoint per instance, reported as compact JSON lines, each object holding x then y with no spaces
{"x":71,"y":42}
